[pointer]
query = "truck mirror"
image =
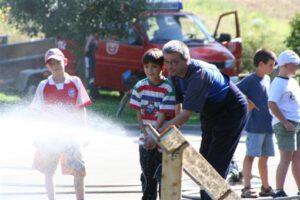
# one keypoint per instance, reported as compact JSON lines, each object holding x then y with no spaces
{"x":224,"y":37}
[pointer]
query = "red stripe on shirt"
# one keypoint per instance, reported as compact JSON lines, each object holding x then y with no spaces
{"x":134,"y":107}
{"x":153,"y":89}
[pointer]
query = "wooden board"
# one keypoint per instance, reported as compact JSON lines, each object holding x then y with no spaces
{"x":171,"y":177}
{"x":195,"y":165}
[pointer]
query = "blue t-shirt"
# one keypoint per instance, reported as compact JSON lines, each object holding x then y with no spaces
{"x":256,"y":89}
{"x":203,"y":81}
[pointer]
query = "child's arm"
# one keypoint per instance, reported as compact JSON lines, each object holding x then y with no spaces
{"x":251,"y":105}
{"x":84,"y":138}
{"x":178,"y":108}
{"x":160,"y":120}
{"x":148,"y":141}
{"x":140,"y":122}
{"x":278,"y":114}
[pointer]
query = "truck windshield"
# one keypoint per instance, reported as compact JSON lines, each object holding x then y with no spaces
{"x":186,"y":28}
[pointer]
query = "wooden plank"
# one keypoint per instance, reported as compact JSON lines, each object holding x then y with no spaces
{"x":171,"y":177}
{"x":194,"y":164}
{"x":278,"y":198}
{"x":199,"y":170}
{"x":171,"y":163}
{"x":172,"y":140}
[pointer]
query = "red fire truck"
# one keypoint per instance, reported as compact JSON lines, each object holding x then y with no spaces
{"x":164,"y":21}
{"x":117,"y":61}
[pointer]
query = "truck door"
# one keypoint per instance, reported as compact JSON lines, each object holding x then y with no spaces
{"x":231,"y":41}
{"x":114,"y":57}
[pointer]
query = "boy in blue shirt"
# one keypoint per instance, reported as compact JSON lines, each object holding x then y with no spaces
{"x":259,"y":141}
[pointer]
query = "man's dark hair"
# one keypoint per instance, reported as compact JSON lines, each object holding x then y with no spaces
{"x":263,"y":55}
{"x":153,"y":55}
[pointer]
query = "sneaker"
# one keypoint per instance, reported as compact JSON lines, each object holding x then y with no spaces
{"x":279,"y":193}
{"x":266,"y":192}
{"x":234,"y":178}
{"x":248,"y":192}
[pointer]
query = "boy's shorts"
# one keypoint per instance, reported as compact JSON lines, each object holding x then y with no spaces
{"x":70,"y":160}
{"x":259,"y":145}
{"x":287,"y":140}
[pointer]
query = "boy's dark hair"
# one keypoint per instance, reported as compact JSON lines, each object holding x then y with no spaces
{"x":153,"y":55}
{"x":263,"y":55}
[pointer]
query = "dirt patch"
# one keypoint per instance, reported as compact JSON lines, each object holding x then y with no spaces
{"x":281,"y":9}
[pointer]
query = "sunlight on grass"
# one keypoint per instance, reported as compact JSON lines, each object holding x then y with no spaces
{"x":9,"y":98}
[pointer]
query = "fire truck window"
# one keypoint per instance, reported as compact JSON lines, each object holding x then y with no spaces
{"x":191,"y":32}
{"x":162,"y":28}
{"x":168,"y":29}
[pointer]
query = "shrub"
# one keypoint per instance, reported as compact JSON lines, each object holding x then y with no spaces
{"x":293,"y":40}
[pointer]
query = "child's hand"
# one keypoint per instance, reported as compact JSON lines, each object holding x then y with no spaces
{"x":149,"y":143}
{"x":251,"y":105}
{"x":289,"y":126}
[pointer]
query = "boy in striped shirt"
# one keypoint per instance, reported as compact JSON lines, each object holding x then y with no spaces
{"x":154,"y":100}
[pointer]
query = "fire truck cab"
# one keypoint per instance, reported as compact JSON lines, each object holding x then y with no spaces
{"x":164,"y":21}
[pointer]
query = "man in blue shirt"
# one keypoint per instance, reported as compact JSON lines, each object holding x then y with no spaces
{"x":200,"y":87}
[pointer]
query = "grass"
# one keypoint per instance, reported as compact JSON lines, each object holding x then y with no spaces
{"x":107,"y":106}
{"x":8,"y":98}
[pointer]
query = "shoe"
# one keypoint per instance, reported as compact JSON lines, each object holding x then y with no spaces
{"x":247,"y":192}
{"x":266,"y":192}
{"x":234,"y":178}
{"x":279,"y":193}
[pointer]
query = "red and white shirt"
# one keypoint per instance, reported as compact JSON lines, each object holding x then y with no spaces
{"x":69,"y":96}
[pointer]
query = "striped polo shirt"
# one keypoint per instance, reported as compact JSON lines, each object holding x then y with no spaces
{"x":152,"y":99}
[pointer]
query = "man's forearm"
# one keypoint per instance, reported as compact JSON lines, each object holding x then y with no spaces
{"x":180,"y":119}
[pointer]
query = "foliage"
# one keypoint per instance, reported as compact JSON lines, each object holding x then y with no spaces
{"x":293,"y":41}
{"x":260,"y":26}
{"x":61,"y":18}
{"x":14,"y":35}
{"x":72,"y":19}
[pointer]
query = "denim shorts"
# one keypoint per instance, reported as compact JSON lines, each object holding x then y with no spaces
{"x":260,"y":144}
{"x":287,"y":140}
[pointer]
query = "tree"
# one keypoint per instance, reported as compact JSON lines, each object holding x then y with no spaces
{"x":72,"y":19}
{"x":293,"y":41}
